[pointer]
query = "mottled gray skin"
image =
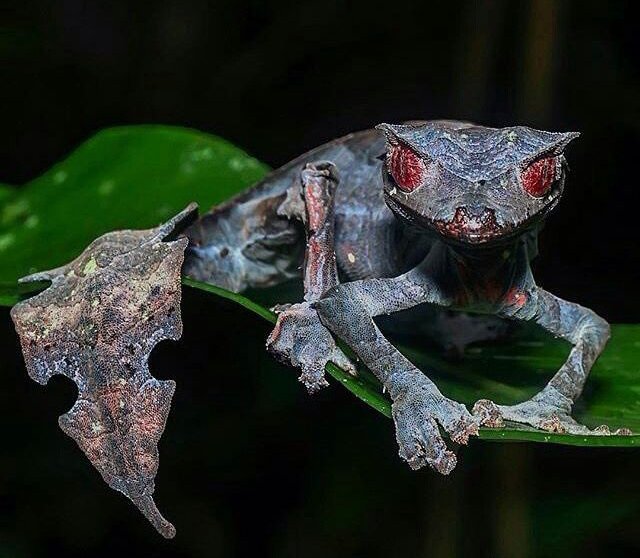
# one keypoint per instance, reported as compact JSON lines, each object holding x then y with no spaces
{"x":461,"y":241}
{"x":97,"y":323}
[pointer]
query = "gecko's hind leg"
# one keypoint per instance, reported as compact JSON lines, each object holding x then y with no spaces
{"x":550,"y":409}
{"x":299,"y":338}
{"x":245,"y":242}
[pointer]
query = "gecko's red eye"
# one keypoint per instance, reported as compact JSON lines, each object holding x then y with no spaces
{"x":538,"y":177}
{"x":406,"y":167}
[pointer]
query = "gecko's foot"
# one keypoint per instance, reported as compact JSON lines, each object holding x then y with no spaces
{"x":299,"y":339}
{"x":417,"y":412}
{"x":540,"y":413}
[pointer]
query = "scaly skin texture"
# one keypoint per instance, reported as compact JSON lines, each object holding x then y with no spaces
{"x":97,"y":323}
{"x":438,"y":215}
{"x":299,"y":338}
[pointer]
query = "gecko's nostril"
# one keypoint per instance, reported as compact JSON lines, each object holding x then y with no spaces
{"x":481,"y":182}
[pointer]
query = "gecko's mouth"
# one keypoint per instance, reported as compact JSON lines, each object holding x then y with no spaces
{"x":465,"y":227}
{"x":471,"y":228}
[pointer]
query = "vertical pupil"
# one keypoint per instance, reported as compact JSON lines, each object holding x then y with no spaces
{"x":406,"y":167}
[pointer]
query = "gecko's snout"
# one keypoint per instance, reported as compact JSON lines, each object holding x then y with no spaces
{"x":474,"y":224}
{"x":472,"y":213}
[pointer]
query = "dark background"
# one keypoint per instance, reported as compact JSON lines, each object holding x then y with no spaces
{"x":250,"y":464}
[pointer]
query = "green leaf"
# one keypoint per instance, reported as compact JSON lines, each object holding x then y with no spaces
{"x":6,"y":192}
{"x":131,"y":177}
{"x":135,"y":177}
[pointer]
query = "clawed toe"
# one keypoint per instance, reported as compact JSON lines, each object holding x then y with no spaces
{"x":313,"y":379}
{"x":342,"y":361}
{"x":422,"y":445}
{"x":623,"y":432}
{"x":488,"y":413}
{"x":604,"y":430}
{"x":532,"y":413}
{"x":463,"y":427}
{"x":561,"y":423}
{"x":418,"y":420}
{"x":443,"y":463}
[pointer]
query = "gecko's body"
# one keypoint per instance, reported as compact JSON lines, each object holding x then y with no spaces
{"x":366,"y":236}
{"x":438,"y":214}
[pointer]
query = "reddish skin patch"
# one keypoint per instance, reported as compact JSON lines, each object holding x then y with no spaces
{"x":538,"y":177}
{"x":516,"y":297}
{"x":406,"y":167}
{"x":315,"y":199}
{"x":110,"y":396}
{"x":320,"y":265}
{"x":486,"y":284}
{"x":277,"y":329}
{"x":474,"y":288}
{"x":463,"y":227}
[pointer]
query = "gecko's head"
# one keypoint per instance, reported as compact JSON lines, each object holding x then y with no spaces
{"x":471,"y":184}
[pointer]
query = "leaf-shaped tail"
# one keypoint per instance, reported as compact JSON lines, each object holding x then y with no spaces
{"x":96,"y":324}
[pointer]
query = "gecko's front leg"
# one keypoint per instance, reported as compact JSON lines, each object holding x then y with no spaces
{"x":299,"y":338}
{"x":418,"y":408}
{"x":550,"y":409}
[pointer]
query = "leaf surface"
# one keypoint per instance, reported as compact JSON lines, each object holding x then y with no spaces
{"x":122,"y":178}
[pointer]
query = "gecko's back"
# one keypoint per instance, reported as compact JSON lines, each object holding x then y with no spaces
{"x":245,"y":242}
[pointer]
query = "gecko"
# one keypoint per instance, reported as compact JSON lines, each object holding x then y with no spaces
{"x":439,"y":216}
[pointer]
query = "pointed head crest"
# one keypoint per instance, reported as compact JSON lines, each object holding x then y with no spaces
{"x":471,"y":183}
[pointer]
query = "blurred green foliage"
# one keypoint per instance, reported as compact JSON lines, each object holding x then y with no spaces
{"x":131,"y":177}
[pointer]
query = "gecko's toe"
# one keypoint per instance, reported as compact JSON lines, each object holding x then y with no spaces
{"x":488,"y":413}
{"x":623,"y":432}
{"x":445,"y":463}
{"x":552,"y":423}
{"x":602,"y":430}
{"x":342,"y":361}
{"x":418,"y":415}
{"x":534,"y":412}
{"x":313,"y":378}
{"x":457,"y":421}
{"x":461,"y":430}
{"x":441,"y":459}
{"x":422,"y":444}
